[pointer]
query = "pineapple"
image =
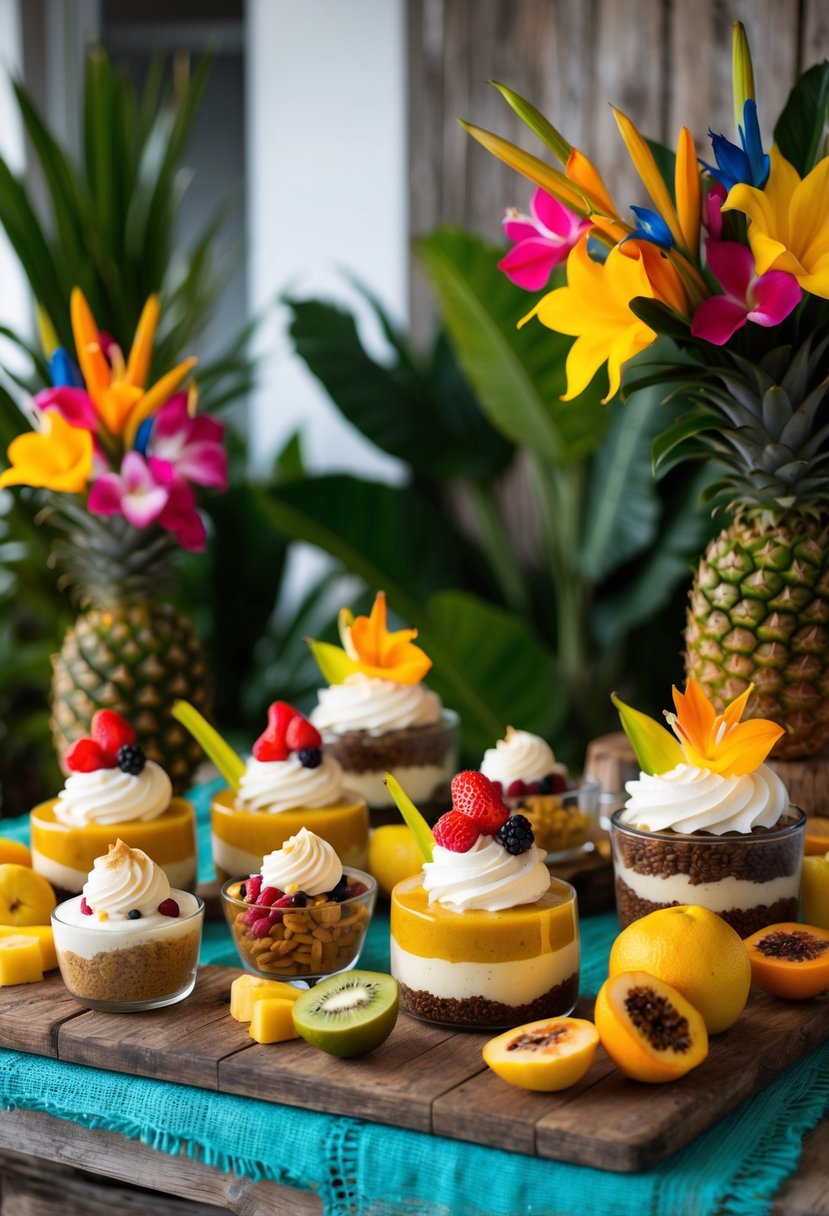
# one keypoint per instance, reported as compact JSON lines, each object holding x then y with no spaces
{"x":759,"y":604}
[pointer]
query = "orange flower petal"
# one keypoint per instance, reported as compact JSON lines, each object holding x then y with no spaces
{"x":745,"y":747}
{"x":389,"y":655}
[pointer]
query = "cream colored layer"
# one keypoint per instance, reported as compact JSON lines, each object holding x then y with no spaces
{"x":418,"y":780}
{"x":511,"y":983}
{"x":716,"y":896}
{"x":238,"y":863}
{"x":180,"y":873}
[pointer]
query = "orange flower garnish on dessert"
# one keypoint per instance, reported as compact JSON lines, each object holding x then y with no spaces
{"x":721,"y":742}
{"x":369,"y":647}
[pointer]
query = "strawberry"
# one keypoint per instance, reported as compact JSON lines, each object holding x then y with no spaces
{"x":269,"y":747}
{"x":112,"y":732}
{"x":86,"y":756}
{"x":473,"y":795}
{"x":455,"y":831}
{"x":301,"y":735}
{"x":280,"y":714}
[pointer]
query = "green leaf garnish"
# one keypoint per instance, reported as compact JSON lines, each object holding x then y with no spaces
{"x":420,"y":828}
{"x":333,"y":662}
{"x":656,"y":748}
{"x":229,"y":763}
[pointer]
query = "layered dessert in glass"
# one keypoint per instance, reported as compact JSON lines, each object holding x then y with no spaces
{"x":112,"y":790}
{"x":561,"y":812}
{"x":484,"y":937}
{"x":707,"y":822}
{"x":377,"y":716}
{"x":130,"y":941}
{"x":289,"y":782}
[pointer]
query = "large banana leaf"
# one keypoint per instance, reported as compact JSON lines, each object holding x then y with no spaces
{"x":800,"y":128}
{"x":518,"y":375}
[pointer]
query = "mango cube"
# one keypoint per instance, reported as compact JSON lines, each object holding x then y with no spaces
{"x":248,"y":989}
{"x":21,"y":961}
{"x":273,"y":1021}
{"x":42,"y":933}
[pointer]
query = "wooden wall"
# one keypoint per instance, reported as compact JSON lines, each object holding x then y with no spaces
{"x":666,"y":63}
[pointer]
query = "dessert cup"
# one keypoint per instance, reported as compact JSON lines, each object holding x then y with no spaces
{"x":485,"y":970}
{"x":306,"y":943}
{"x":132,"y":965}
{"x":750,"y":879}
{"x":64,"y":853}
{"x":562,"y":822}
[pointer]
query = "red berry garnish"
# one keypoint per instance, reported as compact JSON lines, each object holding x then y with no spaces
{"x":474,"y":796}
{"x":168,"y":907}
{"x":280,"y":715}
{"x":533,"y":787}
{"x":86,"y":756}
{"x":516,"y":788}
{"x":456,"y":831}
{"x":254,"y":914}
{"x":253,"y":886}
{"x":359,"y":888}
{"x":301,"y":734}
{"x":268,"y":895}
{"x":498,"y":787}
{"x":112,"y":732}
{"x":269,"y":747}
{"x":261,"y":927}
{"x":284,"y":901}
{"x":85,"y":908}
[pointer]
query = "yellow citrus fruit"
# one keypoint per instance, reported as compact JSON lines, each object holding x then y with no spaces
{"x":26,"y":898}
{"x":814,"y":891}
{"x":14,"y":850}
{"x":694,"y":951}
{"x":393,"y":855}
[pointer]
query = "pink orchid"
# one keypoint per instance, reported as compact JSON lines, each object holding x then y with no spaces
{"x":543,"y":240}
{"x":712,"y":210}
{"x":181,"y":518}
{"x":133,"y":493}
{"x":182,"y":446}
{"x":765,"y":299}
{"x":73,"y":404}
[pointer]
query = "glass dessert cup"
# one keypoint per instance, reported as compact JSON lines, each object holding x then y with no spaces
{"x":563,"y":822}
{"x":239,"y":839}
{"x":485,"y":970}
{"x":423,"y":759}
{"x":308,"y":943}
{"x":750,"y":880}
{"x":135,"y":969}
{"x":64,"y":853}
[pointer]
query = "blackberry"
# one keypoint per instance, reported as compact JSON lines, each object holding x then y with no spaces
{"x":340,"y":892}
{"x":516,"y":835}
{"x":310,"y":757}
{"x":300,"y":899}
{"x":131,"y":759}
{"x":553,"y":783}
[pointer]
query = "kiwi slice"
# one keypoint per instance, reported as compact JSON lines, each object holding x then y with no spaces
{"x":348,"y":1014}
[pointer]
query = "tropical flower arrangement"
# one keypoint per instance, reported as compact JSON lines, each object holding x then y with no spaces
{"x":719,"y":290}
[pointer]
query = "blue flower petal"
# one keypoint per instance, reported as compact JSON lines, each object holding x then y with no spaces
{"x":63,"y":370}
{"x":759,"y":162}
{"x":142,"y":438}
{"x":650,"y":226}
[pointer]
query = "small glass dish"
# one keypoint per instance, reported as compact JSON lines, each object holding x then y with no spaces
{"x":304,"y":943}
{"x":128,"y":966}
{"x":563,"y":822}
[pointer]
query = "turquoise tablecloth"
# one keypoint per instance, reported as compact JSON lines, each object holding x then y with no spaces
{"x":364,"y":1169}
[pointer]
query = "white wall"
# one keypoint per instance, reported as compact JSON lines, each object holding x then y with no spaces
{"x":327,"y":188}
{"x":15,"y":301}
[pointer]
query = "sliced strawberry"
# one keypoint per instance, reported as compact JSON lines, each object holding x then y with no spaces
{"x":269,"y":747}
{"x":112,"y":732}
{"x":280,"y":715}
{"x":455,"y":831}
{"x":474,"y":795}
{"x":301,"y":734}
{"x":86,"y":756}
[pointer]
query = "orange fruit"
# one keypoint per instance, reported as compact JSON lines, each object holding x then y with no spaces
{"x":790,"y":960}
{"x":694,"y":951}
{"x":816,"y":839}
{"x":393,"y":854}
{"x":648,"y":1029}
{"x":16,"y":851}
{"x":547,"y":1055}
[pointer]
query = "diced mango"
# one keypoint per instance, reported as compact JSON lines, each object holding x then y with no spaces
{"x":43,"y":933}
{"x":20,"y":960}
{"x":248,"y":989}
{"x":273,"y":1021}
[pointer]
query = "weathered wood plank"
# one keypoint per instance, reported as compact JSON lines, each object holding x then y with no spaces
{"x":32,"y":1014}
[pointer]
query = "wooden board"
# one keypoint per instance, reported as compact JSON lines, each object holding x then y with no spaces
{"x":423,"y":1077}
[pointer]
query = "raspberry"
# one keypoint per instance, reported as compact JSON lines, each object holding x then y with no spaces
{"x":456,"y":832}
{"x":253,"y":886}
{"x":301,"y":735}
{"x":85,"y":908}
{"x":254,"y":914}
{"x":515,"y":788}
{"x":268,"y":896}
{"x":261,"y":927}
{"x":533,"y":787}
{"x":111,"y":732}
{"x":358,"y":888}
{"x":473,"y":795}
{"x":553,"y":783}
{"x":284,"y":901}
{"x":131,"y":759}
{"x":168,"y":907}
{"x":516,"y":835}
{"x":85,"y":756}
{"x":498,"y":787}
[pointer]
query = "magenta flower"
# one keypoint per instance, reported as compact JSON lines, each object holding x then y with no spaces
{"x":185,"y":447}
{"x":182,"y":519}
{"x":73,"y":404}
{"x":765,"y":299}
{"x":712,"y":210}
{"x":133,"y":493}
{"x":543,"y":240}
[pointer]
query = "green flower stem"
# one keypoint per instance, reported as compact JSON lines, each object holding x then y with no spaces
{"x":497,"y":546}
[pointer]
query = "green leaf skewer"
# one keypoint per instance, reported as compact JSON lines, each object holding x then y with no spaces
{"x":229,"y":763}
{"x":420,"y":828}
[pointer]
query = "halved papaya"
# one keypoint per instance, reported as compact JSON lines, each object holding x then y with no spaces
{"x":790,"y":960}
{"x":648,"y":1029}
{"x":546,"y":1055}
{"x":816,"y":840}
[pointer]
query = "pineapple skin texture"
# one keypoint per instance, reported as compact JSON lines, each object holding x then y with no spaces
{"x":136,"y":659}
{"x":759,"y":612}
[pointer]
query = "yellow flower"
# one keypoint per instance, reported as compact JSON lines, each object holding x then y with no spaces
{"x":721,"y":742}
{"x":789,"y":222}
{"x":58,"y":457}
{"x":594,"y":308}
{"x":372,"y":649}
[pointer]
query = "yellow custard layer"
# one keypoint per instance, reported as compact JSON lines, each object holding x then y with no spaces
{"x":524,"y":932}
{"x":169,"y":838}
{"x":344,"y":825}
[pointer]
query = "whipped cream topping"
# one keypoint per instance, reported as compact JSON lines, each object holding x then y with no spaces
{"x":123,"y":880}
{"x":304,"y":863}
{"x":690,"y":799}
{"x":519,"y":756}
{"x":283,"y":785}
{"x":111,"y":796}
{"x":486,"y":877}
{"x":373,"y":704}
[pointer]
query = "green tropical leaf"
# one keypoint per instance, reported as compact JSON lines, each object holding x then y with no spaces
{"x":535,"y":120}
{"x":799,"y":130}
{"x":660,"y":318}
{"x":675,"y":436}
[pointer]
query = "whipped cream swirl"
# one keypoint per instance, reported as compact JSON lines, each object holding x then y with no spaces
{"x":375,"y":705}
{"x":519,"y":757}
{"x":283,"y":785}
{"x":109,"y":795}
{"x":304,"y":863}
{"x":690,"y":799}
{"x":123,"y":880}
{"x":486,"y":877}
